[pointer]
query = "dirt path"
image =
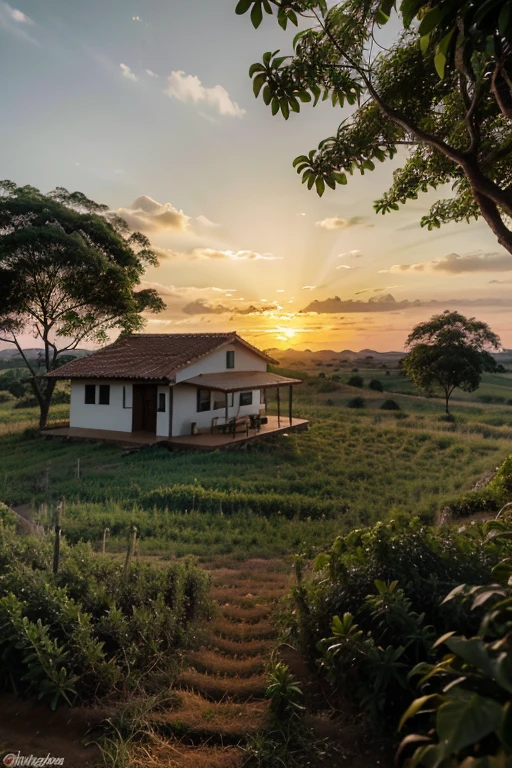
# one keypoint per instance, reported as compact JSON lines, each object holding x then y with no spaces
{"x":220,"y":700}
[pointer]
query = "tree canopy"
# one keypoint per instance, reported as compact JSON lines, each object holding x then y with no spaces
{"x":449,"y":351}
{"x":69,"y":270}
{"x":443,"y":91}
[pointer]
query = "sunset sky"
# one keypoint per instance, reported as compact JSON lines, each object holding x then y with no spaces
{"x":146,"y":105}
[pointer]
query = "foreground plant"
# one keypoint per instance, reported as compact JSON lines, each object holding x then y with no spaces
{"x":468,"y":694}
{"x":412,"y":94}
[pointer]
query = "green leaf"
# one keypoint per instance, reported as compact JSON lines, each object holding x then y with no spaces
{"x":464,"y":721}
{"x":304,"y":96}
{"x":473,"y":651}
{"x":257,"y":15}
{"x":256,"y":68}
{"x":258,"y":83}
{"x":423,"y":704}
{"x":285,"y":108}
{"x":504,"y":19}
{"x":320,"y":187}
{"x":341,"y":178}
{"x":431,"y":20}
{"x":275,"y":106}
{"x":424,"y":43}
{"x":409,"y":9}
{"x":243,"y":6}
{"x":267,"y":95}
{"x":300,"y":159}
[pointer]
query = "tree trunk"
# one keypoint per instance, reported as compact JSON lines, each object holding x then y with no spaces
{"x":44,"y":397}
{"x":446,"y":399}
{"x":492,"y":216}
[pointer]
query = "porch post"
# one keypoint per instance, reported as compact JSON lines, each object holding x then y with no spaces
{"x":278,"y":407}
{"x":290,"y":401}
{"x":227,"y":412}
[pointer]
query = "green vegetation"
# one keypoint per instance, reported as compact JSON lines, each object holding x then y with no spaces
{"x":449,"y":352}
{"x":452,"y":111}
{"x":370,"y":613}
{"x":68,"y":273}
{"x":94,"y":628}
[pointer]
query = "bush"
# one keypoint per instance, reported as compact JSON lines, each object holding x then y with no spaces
{"x":356,"y":402}
{"x":6,"y":397}
{"x":464,"y":716}
{"x":489,"y":499}
{"x":92,"y":629}
{"x":27,"y":401}
{"x":371,"y":611}
{"x":390,"y":405}
{"x":376,"y":385}
{"x":356,"y":381}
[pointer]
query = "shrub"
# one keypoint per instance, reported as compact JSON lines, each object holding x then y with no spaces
{"x":369,"y":614}
{"x":356,"y":402}
{"x":27,"y":401}
{"x":489,"y":499}
{"x":6,"y":397}
{"x":93,"y":628}
{"x":390,"y":405}
{"x":376,"y":385}
{"x":465,"y":712}
{"x":356,"y":381}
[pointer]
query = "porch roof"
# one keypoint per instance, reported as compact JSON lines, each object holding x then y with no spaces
{"x":236,"y":381}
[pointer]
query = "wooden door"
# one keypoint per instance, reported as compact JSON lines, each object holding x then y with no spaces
{"x":144,"y":408}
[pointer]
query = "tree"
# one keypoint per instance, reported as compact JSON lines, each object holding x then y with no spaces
{"x":68,"y":273}
{"x":429,"y":93}
{"x":448,"y":352}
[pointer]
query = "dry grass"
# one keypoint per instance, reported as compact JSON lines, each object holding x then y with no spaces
{"x":196,"y":717}
{"x":228,"y":629}
{"x":218,"y":688}
{"x":165,"y":753}
{"x":207,"y":660}
{"x":237,"y":613}
{"x":241,"y":649}
{"x":243,"y":596}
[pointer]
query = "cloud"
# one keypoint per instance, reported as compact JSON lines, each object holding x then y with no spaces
{"x":500,"y":282}
{"x":150,"y":73}
{"x":127,"y":72}
{"x":338,"y":223}
{"x":188,"y":88}
{"x":301,"y":214}
{"x":344,"y":266}
{"x":214,"y":253}
{"x":15,"y":21}
{"x":148,"y":215}
{"x":335,"y":305}
{"x":203,"y":307}
{"x":308,"y":287}
{"x":350,"y":255}
{"x":456,"y":264}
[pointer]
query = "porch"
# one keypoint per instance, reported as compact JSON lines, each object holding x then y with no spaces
{"x":202,"y":441}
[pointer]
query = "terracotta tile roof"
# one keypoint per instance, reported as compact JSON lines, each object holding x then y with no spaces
{"x":156,"y":357}
{"x":237,"y":381}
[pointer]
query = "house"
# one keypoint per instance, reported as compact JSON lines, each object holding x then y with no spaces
{"x":171,"y":386}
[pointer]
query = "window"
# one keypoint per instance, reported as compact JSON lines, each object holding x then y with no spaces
{"x":104,"y":394}
{"x":245,"y":398}
{"x":161,"y":402}
{"x":203,"y":400}
{"x":220,"y":402}
{"x":90,"y":394}
{"x":230,"y":359}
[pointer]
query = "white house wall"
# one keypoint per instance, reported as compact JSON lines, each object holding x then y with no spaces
{"x":245,"y":360}
{"x":185,"y":409}
{"x":112,"y":417}
{"x":162,"y":417}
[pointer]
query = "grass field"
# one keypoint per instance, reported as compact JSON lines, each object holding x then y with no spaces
{"x":353,"y":467}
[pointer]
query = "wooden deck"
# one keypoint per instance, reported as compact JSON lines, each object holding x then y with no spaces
{"x":204,"y":441}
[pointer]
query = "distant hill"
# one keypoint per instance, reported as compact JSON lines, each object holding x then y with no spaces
{"x":365,"y":358}
{"x":11,"y":353}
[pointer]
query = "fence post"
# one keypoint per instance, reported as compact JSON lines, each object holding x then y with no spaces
{"x":131,"y":548}
{"x":78,"y":469}
{"x":104,"y":547}
{"x":56,"y":546}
